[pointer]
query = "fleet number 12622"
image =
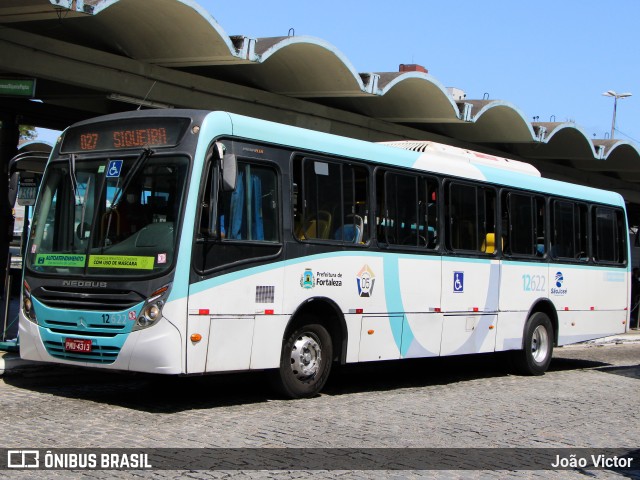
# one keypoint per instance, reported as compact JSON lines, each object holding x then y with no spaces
{"x":534,"y":283}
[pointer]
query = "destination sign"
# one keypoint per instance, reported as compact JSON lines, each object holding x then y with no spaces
{"x":138,"y":133}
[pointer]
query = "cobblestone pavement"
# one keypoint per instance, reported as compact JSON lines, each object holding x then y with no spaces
{"x":589,"y":398}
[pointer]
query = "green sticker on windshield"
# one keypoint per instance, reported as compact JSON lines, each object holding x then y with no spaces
{"x":121,"y":261}
{"x":59,"y":260}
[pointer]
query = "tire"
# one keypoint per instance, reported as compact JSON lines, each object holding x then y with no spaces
{"x":305,"y":362}
{"x":535,"y":357}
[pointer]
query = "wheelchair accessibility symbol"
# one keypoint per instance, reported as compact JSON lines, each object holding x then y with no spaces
{"x":113,"y":170}
{"x":458,"y":282}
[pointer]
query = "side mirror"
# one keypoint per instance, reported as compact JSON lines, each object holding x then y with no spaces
{"x":229,"y":172}
{"x":228,"y":166}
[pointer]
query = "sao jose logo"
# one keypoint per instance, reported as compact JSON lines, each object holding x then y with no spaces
{"x":559,"y":279}
{"x":559,"y":282}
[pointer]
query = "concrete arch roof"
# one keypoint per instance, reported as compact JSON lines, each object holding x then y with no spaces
{"x":190,"y":35}
{"x":618,"y":156}
{"x":307,"y":68}
{"x":410,"y":97}
{"x":568,"y":140}
{"x":299,"y":66}
{"x":492,"y":121}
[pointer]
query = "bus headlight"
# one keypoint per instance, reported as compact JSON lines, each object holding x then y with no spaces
{"x":27,"y":304}
{"x":152,"y":309}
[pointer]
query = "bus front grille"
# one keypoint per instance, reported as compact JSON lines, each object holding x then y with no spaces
{"x":106,"y":300}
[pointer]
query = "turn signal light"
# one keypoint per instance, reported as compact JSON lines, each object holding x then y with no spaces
{"x":196,"y":337}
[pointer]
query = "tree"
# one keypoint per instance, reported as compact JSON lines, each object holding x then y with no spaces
{"x":27,"y":132}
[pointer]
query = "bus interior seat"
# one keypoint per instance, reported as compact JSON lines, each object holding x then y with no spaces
{"x":316,"y":227}
{"x":351,"y":231}
{"x":489,"y":244}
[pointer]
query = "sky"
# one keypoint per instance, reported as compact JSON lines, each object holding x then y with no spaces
{"x":551,"y":59}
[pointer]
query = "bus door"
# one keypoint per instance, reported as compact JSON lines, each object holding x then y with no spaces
{"x":525,"y":271}
{"x":471,"y":275}
{"x":238,"y":300}
{"x":470,"y":303}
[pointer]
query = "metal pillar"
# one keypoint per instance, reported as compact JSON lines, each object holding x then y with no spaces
{"x":9,"y":136}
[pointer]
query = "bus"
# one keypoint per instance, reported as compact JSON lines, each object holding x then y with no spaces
{"x":188,"y":242}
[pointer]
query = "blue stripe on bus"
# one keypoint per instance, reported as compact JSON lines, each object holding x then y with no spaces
{"x":393,"y":297}
{"x":296,"y":137}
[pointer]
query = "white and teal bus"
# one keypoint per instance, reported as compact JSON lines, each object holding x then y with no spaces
{"x":189,"y":242}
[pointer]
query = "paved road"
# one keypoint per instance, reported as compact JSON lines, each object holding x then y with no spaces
{"x":585,"y":400}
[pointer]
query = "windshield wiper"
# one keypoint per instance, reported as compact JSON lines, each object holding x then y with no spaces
{"x":117,"y":197}
{"x":72,"y":176}
{"x":146,"y":153}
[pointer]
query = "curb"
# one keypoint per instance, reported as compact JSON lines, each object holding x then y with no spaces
{"x":11,"y":363}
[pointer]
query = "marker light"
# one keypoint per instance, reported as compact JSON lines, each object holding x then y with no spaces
{"x":196,"y":337}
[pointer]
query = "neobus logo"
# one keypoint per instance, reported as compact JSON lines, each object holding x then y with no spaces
{"x":84,"y":283}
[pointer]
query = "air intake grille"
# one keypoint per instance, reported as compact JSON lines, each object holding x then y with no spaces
{"x":99,"y":353}
{"x":106,"y":300}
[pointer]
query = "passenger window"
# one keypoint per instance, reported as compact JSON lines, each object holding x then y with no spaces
{"x":570,"y":233}
{"x":406,"y":212}
{"x":523,"y":224}
{"x":608,"y":235}
{"x":331,"y":201}
{"x":472,"y":218}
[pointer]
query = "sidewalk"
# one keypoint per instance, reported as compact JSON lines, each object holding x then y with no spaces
{"x":632,"y":335}
{"x":12,"y":364}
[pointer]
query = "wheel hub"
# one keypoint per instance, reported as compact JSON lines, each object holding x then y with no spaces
{"x":540,"y":344}
{"x":306,"y":356}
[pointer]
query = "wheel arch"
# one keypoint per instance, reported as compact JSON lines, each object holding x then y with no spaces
{"x":324,"y":311}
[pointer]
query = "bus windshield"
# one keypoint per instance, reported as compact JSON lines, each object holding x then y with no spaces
{"x":114,"y":215}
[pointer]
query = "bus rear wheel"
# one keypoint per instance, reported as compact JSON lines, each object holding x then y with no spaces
{"x":305,"y":362}
{"x":535,"y":357}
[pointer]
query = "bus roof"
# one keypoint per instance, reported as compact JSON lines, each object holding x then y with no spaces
{"x":437,"y":158}
{"x":425,"y":156}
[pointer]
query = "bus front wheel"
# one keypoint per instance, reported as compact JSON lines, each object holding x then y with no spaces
{"x":305,"y":361}
{"x":535,"y":357}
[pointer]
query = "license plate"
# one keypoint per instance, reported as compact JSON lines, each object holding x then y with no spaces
{"x":77,"y":345}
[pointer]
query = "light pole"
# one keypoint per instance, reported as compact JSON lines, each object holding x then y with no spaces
{"x":616,"y":96}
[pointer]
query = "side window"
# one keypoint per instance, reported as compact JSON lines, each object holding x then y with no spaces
{"x":523,"y":224}
{"x":250,"y":212}
{"x":570,"y":232}
{"x":331,"y":201}
{"x":471,"y":213}
{"x":243,"y":225}
{"x":406,"y":212}
{"x":608,"y":235}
